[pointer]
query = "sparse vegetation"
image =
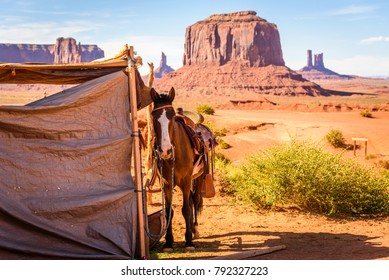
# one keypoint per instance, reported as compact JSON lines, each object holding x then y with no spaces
{"x":366,"y":114}
{"x":336,"y":139}
{"x":302,"y":174}
{"x":205,"y":109}
{"x":223,"y":144}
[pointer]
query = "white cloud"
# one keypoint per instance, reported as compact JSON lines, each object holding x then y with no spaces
{"x":372,"y":40}
{"x":44,"y":33}
{"x":360,"y":65}
{"x":354,"y":10}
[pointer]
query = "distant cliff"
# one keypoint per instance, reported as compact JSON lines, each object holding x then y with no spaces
{"x":65,"y":50}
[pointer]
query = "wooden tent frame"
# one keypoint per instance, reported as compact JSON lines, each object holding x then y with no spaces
{"x":142,"y":219}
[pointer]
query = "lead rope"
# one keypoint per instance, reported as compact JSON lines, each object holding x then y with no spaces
{"x":156,"y":237}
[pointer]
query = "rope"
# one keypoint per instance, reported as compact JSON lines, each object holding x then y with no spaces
{"x":156,"y":237}
{"x":133,"y":61}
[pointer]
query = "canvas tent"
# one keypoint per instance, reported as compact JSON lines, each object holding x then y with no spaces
{"x":66,"y":188}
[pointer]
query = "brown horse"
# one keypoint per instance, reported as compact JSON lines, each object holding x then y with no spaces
{"x":176,"y":158}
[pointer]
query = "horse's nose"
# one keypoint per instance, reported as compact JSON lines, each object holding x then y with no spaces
{"x":167,"y":153}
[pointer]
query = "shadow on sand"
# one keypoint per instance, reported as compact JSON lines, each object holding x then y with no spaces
{"x":300,"y":246}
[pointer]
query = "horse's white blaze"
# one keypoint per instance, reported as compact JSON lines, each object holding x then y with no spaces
{"x":166,"y":143}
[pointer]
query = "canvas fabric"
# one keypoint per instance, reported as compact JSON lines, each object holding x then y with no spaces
{"x":66,"y":189}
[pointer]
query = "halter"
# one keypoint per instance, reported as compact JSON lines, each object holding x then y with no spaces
{"x":163,"y":107}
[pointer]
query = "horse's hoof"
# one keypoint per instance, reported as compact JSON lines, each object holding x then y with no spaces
{"x":167,"y":250}
{"x":190,"y":249}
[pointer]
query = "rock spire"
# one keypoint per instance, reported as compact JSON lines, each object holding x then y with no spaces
{"x":163,"y":68}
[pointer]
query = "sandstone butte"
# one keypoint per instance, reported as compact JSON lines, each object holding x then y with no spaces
{"x":65,"y":50}
{"x":235,"y":55}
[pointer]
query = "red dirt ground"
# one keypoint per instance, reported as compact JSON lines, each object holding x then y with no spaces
{"x":227,"y":226}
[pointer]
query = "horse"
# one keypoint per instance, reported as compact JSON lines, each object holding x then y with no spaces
{"x":176,"y":159}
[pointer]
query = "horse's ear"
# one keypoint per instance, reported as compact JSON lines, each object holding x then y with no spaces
{"x":154,"y":95}
{"x":172,"y":94}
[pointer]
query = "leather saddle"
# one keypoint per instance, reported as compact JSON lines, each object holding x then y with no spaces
{"x":203,"y":143}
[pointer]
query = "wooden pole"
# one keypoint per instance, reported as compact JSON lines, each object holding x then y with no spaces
{"x":142,"y":219}
{"x":150,"y":132}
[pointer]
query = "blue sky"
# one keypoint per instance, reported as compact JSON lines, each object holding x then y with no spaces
{"x":352,"y":34}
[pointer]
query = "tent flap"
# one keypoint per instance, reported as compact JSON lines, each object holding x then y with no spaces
{"x":66,"y":189}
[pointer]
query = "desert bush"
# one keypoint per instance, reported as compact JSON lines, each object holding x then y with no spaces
{"x":205,"y":109}
{"x":303,"y":175}
{"x":366,"y":114}
{"x":335,"y":138}
{"x":223,"y":144}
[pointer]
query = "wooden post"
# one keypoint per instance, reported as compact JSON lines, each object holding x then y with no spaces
{"x":364,"y":140}
{"x":142,"y":218}
{"x":150,"y":132}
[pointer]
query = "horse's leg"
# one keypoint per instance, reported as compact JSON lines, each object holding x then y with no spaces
{"x":197,"y":204}
{"x":169,"y":239}
{"x":187,"y":212}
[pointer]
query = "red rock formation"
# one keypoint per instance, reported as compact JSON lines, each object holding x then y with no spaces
{"x":66,"y":50}
{"x":90,"y":53}
{"x":319,"y":63}
{"x":309,"y":59}
{"x":317,"y":71}
{"x":26,"y":53}
{"x":231,"y":80}
{"x":240,"y":37}
{"x":163,"y":68}
{"x":234,"y":55}
{"x":44,"y":53}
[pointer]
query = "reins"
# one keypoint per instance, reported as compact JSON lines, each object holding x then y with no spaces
{"x":158,"y":161}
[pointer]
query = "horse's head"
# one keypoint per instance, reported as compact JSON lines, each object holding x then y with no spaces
{"x":163,"y":118}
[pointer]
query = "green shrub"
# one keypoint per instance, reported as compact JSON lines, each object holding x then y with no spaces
{"x":303,"y":175}
{"x":366,"y":114}
{"x":223,"y":144}
{"x":335,"y":138}
{"x":205,"y":109}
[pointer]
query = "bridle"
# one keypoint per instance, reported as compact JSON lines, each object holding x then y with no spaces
{"x":158,"y":165}
{"x":163,"y":107}
{"x":156,"y":148}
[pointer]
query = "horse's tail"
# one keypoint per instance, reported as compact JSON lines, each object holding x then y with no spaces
{"x":197,"y":195}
